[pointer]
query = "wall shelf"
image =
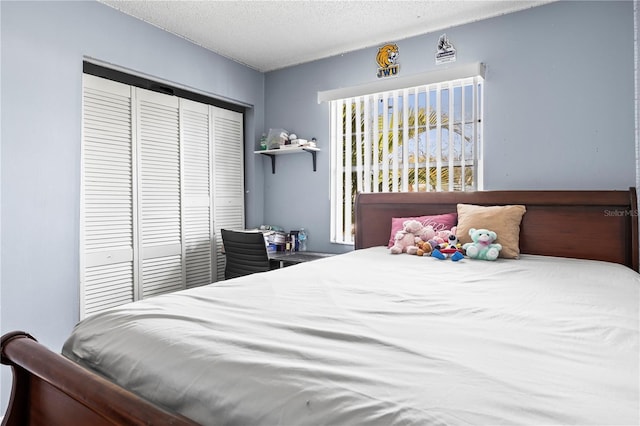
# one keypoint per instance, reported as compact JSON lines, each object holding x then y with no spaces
{"x":273,"y":153}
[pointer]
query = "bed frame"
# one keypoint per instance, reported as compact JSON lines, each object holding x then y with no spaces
{"x":596,"y":225}
{"x":49,"y":389}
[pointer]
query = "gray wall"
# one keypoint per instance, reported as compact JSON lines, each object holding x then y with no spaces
{"x":43,"y":44}
{"x":559,"y":110}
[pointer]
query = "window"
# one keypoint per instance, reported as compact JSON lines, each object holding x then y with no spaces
{"x":161,"y":175}
{"x":420,"y":138}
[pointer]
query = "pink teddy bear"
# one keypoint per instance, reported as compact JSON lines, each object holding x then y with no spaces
{"x":405,"y":240}
{"x":441,"y":237}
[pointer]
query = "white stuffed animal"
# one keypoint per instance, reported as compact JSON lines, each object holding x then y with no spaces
{"x":483,"y":246}
{"x":405,"y":239}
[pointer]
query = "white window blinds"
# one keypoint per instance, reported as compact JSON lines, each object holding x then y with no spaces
{"x":421,"y":138}
{"x":150,"y":166}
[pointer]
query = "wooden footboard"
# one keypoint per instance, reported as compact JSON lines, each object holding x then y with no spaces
{"x":48,"y":389}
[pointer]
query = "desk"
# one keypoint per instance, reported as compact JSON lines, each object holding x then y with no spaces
{"x":290,"y":258}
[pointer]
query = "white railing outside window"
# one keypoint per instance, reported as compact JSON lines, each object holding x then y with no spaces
{"x":422,"y":138}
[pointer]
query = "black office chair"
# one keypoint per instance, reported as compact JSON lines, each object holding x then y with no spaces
{"x":245,"y":252}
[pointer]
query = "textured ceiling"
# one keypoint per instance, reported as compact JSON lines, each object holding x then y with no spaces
{"x":272,"y":34}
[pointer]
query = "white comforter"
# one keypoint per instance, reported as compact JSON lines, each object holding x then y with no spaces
{"x":377,"y":339}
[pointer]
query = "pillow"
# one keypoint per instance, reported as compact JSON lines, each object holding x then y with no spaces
{"x":503,"y":220}
{"x":439,"y":222}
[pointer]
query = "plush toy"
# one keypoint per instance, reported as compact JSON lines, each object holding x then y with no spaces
{"x":422,"y":240}
{"x":424,"y":248}
{"x":442,"y":237}
{"x":405,"y":239}
{"x":483,"y":246}
{"x":444,"y":234}
{"x":427,"y":233}
{"x":451,"y":248}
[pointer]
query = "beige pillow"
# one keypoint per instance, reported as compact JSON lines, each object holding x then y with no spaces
{"x":503,"y":220}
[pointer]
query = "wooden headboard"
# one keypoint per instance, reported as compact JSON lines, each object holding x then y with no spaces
{"x":598,"y":225}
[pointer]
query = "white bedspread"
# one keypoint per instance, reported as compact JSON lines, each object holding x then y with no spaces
{"x":369,"y":338}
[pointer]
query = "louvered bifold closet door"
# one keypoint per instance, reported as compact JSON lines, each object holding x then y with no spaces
{"x":196,"y":193}
{"x":150,"y":187}
{"x":106,"y":243}
{"x":228,"y":176}
{"x":159,"y":210}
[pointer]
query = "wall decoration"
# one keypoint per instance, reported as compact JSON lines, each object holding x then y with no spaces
{"x":387,"y":59}
{"x":446,"y":52}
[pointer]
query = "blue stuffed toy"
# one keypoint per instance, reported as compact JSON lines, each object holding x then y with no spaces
{"x":449,"y":249}
{"x":483,"y":246}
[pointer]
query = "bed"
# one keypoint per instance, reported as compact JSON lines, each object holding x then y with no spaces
{"x":549,"y":337}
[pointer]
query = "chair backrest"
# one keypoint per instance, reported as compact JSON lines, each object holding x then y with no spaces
{"x":245,"y":253}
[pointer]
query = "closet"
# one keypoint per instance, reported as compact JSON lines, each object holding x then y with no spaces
{"x":161,"y":175}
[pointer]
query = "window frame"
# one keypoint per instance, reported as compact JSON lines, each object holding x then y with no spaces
{"x":395,"y":172}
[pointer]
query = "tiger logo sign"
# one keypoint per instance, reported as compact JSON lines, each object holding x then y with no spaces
{"x":387,"y":59}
